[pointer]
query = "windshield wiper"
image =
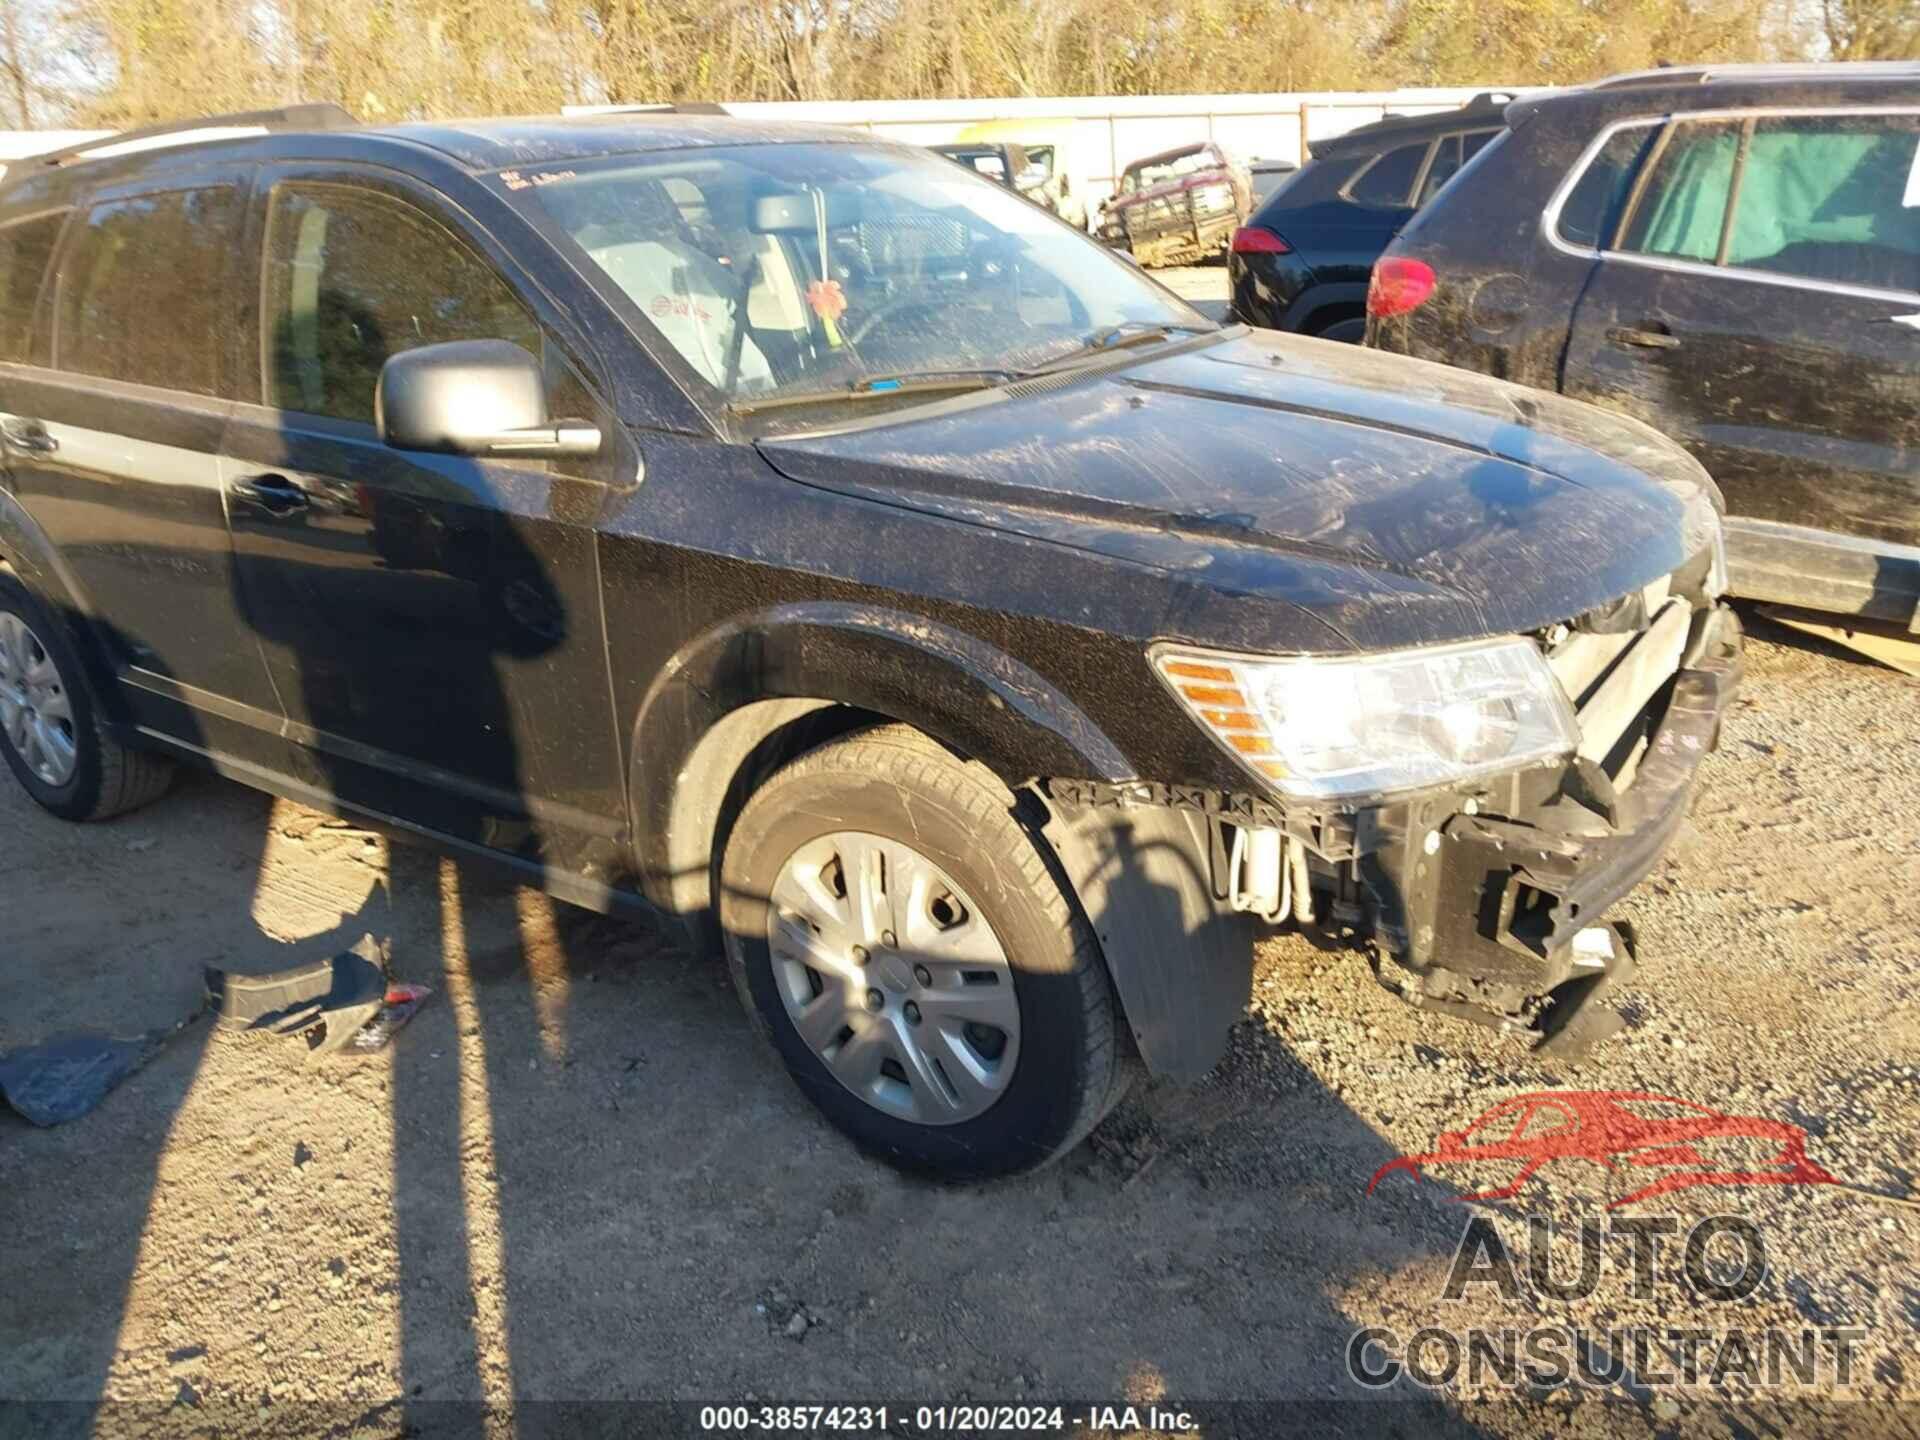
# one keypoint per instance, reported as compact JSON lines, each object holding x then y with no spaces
{"x":880,"y":387}
{"x":1121,"y":337}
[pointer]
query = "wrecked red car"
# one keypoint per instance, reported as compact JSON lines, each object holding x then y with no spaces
{"x":1178,"y":206}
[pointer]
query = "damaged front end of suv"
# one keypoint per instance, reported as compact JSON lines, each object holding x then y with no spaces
{"x":1468,"y":813}
{"x":1418,"y":659}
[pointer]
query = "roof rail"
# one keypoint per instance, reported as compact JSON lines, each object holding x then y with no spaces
{"x":212,"y":127}
{"x":646,"y":107}
{"x":1810,"y":70}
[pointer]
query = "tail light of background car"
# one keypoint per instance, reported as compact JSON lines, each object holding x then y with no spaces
{"x":1399,"y":285}
{"x":1252,"y":240}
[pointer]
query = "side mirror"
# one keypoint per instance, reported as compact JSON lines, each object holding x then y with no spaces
{"x":473,"y":397}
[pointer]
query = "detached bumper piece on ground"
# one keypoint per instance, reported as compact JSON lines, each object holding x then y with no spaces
{"x":345,"y":1003}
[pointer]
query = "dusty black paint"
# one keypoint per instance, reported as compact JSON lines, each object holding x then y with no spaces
{"x":1802,"y":400}
{"x":532,"y":661}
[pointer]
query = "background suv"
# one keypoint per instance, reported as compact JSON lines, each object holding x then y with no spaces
{"x":1733,"y":255}
{"x":1302,"y":261}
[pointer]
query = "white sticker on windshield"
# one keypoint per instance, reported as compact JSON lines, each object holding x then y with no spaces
{"x":1912,"y":197}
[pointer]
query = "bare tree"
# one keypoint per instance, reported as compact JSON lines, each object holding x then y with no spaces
{"x":156,"y":59}
{"x":1872,"y":29}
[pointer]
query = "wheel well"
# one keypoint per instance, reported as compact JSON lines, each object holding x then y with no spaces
{"x":1327,"y":316}
{"x":729,"y":762}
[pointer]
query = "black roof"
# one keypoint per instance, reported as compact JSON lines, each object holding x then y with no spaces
{"x":1679,"y":89}
{"x":544,"y":140}
{"x":1488,"y":107}
{"x":472,"y":144}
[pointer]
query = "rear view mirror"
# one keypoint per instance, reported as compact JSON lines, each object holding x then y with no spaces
{"x":791,"y":212}
{"x":473,"y":397}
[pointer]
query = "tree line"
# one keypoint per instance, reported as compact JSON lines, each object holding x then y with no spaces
{"x":124,"y":62}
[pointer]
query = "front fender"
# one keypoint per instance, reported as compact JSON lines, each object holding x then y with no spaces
{"x":734,"y":686}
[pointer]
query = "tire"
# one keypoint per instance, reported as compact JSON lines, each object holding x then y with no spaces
{"x":100,"y":778}
{"x":1347,"y":332}
{"x":892,"y":791}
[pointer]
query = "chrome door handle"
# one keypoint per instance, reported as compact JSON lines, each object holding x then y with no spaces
{"x":29,"y":435}
{"x":275,"y":494}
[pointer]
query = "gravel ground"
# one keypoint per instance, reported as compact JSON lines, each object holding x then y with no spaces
{"x":576,"y":1177}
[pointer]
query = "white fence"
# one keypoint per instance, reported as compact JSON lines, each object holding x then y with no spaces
{"x":1100,"y":134}
{"x":1108,"y":131}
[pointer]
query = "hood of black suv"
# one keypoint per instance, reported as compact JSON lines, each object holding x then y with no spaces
{"x":1396,"y":501}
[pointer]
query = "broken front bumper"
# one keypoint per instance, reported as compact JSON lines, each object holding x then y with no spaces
{"x":1499,"y":919}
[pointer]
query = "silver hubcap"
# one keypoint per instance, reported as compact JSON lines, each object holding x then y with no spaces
{"x":36,"y":713}
{"x":893,"y":977}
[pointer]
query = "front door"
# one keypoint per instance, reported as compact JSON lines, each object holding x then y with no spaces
{"x":432,"y":622}
{"x":1758,"y":307}
{"x":112,"y":437}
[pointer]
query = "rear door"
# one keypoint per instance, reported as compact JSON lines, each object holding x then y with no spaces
{"x":112,"y":438}
{"x":432,"y":621}
{"x":1756,"y":303}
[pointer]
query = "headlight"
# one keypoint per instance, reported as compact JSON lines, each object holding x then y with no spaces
{"x":1368,"y":725}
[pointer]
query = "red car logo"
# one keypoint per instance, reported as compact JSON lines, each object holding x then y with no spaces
{"x":1616,"y":1128}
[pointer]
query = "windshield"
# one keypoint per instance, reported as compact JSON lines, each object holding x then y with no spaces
{"x":772,"y":269}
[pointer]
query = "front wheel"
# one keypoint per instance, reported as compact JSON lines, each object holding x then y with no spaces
{"x":908,"y":945}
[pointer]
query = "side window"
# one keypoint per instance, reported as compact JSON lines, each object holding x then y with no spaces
{"x":140,"y":290}
{"x":1591,"y":212}
{"x":1475,"y":142}
{"x":1446,"y":163}
{"x":1684,"y":206}
{"x":25,"y":248}
{"x":354,"y":276}
{"x":1832,"y":197}
{"x":1388,"y":180}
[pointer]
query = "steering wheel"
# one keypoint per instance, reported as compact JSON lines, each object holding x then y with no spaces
{"x":899,"y":305}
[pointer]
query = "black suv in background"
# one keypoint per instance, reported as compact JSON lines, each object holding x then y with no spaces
{"x":1731,"y":254}
{"x":799,"y":535}
{"x":1302,"y":261}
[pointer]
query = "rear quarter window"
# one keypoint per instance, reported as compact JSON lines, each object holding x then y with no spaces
{"x":1591,"y":212}
{"x":1388,"y":181}
{"x":25,"y":248}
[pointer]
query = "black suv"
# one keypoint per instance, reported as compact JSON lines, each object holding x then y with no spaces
{"x":1732,"y":254}
{"x":801,"y":536}
{"x":1303,"y":260}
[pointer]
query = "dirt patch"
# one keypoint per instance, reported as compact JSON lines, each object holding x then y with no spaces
{"x":577,"y":1177}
